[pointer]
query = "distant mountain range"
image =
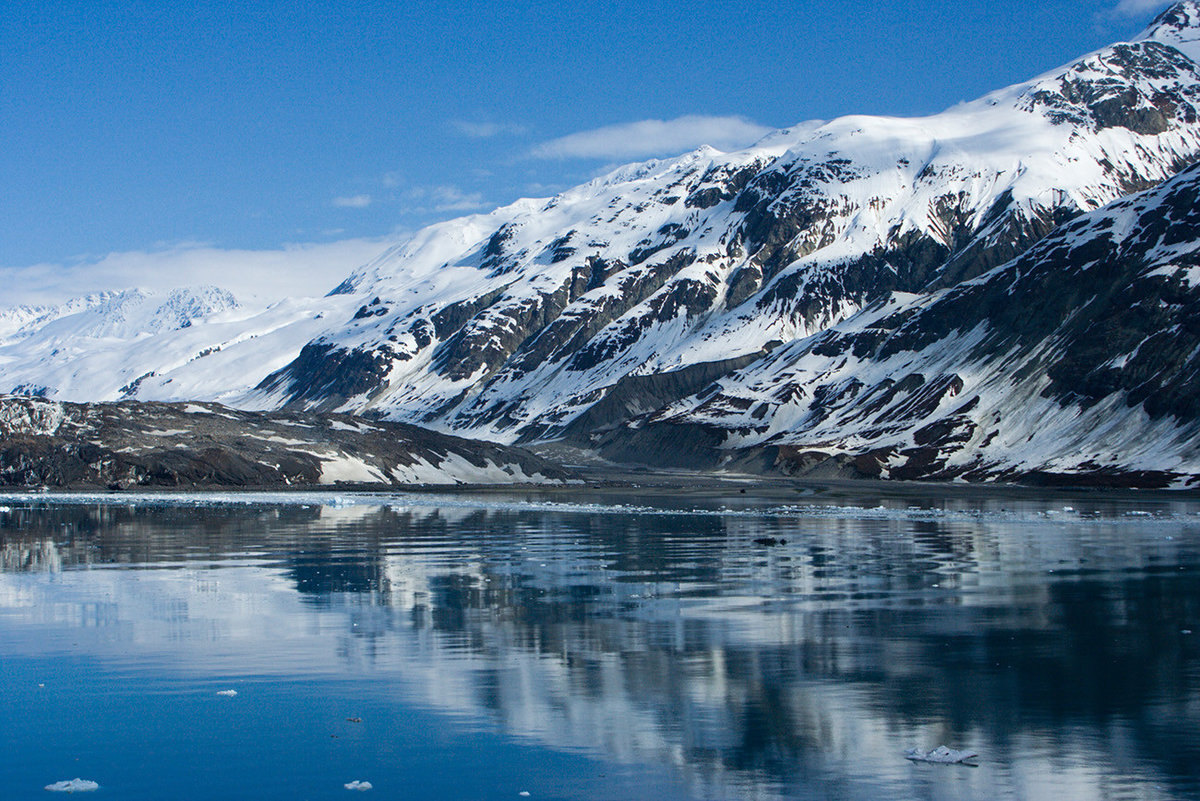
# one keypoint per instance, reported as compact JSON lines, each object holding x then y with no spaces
{"x":978,"y":295}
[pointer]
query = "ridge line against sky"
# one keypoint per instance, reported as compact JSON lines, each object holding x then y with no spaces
{"x":241,"y":141}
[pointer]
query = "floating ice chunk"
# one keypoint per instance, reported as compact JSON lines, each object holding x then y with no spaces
{"x":228,"y":693}
{"x":941,"y":754}
{"x":357,"y":785}
{"x":73,"y":786}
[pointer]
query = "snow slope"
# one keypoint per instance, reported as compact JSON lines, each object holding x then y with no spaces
{"x":1080,"y":359}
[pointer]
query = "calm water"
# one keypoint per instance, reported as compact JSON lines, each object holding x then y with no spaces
{"x":486,"y":648}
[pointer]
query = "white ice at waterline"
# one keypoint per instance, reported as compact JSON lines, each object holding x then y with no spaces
{"x":73,"y":786}
{"x":941,"y":755}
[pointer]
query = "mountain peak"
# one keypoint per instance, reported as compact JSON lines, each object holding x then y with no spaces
{"x":1184,"y":14}
{"x":1179,"y":27}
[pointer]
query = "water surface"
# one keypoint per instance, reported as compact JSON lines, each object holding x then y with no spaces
{"x":668,"y":646}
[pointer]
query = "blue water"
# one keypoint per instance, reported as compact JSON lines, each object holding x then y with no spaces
{"x":485,"y":647}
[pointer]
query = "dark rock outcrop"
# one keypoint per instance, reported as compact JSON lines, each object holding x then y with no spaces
{"x":131,"y":444}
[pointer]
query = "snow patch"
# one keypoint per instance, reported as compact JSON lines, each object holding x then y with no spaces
{"x":351,"y":470}
{"x":358,"y":428}
{"x":457,"y":469}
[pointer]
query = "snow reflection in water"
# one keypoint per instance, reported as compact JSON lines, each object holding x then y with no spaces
{"x":618,"y":650}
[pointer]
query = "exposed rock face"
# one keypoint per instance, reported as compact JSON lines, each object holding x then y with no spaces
{"x":1078,"y":362}
{"x":132,"y":444}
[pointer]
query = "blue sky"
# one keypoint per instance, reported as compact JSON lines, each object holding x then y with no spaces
{"x":140,"y":128}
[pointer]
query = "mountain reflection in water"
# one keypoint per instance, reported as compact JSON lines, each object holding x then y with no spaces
{"x":1056,"y":644}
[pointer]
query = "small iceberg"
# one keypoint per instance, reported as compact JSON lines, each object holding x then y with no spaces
{"x":227,"y":693}
{"x":73,"y":786}
{"x":357,"y":785}
{"x":942,"y":755}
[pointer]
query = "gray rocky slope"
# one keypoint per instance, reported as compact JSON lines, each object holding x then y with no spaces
{"x":145,"y":444}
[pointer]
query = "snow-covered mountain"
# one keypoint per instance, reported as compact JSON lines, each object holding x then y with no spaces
{"x":124,"y":314}
{"x":573,"y":316}
{"x":142,"y":343}
{"x":16,"y":322}
{"x":1078,"y":361}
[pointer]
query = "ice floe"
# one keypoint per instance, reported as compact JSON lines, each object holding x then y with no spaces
{"x":73,"y":786}
{"x":941,"y":755}
{"x":357,"y":785}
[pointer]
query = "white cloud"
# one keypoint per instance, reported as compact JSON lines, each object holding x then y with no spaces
{"x":1136,"y":8}
{"x":539,"y":189}
{"x":441,"y":199}
{"x":654,"y":138}
{"x":486,"y":130}
{"x":352,"y":202}
{"x":449,"y":198}
{"x":263,"y":276}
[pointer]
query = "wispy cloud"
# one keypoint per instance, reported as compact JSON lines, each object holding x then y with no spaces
{"x":352,"y":202}
{"x":654,"y":138}
{"x":1137,"y":8}
{"x":486,"y":130}
{"x":449,"y":198}
{"x":441,"y":199}
{"x":539,"y":189}
{"x":298,"y":270}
